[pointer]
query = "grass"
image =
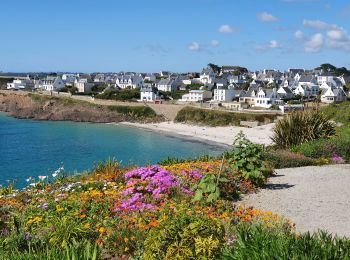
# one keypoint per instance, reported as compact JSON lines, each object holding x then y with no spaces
{"x":259,"y":243}
{"x":219,"y":118}
{"x":136,"y":111}
{"x":338,"y":145}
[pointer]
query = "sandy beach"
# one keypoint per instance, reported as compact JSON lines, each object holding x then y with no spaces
{"x":222,"y":135}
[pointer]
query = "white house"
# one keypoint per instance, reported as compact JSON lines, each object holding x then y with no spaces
{"x":148,"y":94}
{"x":224,"y":94}
{"x":207,"y":76}
{"x":150,"y":77}
{"x":128,"y":81}
{"x":333,"y":95}
{"x":69,"y":78}
{"x":166,"y":85}
{"x":83,"y":86}
{"x":266,"y":98}
{"x":20,"y":84}
{"x":51,"y":83}
{"x":285,"y":92}
{"x":325,"y":77}
{"x":307,"y":90}
{"x":197,"y":95}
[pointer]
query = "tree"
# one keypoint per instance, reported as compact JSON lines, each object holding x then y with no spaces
{"x":327,"y":67}
{"x":346,"y":88}
{"x":215,"y":68}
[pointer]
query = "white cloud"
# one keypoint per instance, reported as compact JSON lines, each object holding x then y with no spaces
{"x":315,"y":43}
{"x":319,"y":25}
{"x":338,"y":39}
{"x":194,"y":46}
{"x":273,"y":44}
{"x":215,"y":43}
{"x":335,"y":37}
{"x":225,"y":29}
{"x":266,"y":17}
{"x":299,"y":35}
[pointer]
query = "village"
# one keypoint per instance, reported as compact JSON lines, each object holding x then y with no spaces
{"x":227,"y":87}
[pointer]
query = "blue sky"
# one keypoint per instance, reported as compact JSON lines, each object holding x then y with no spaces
{"x":181,"y":35}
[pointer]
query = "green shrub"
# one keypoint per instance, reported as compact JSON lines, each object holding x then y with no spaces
{"x":338,"y":145}
{"x":279,"y":159}
{"x":83,"y":250}
{"x":122,"y":95}
{"x":255,"y":242}
{"x":185,"y":237}
{"x":247,"y":159}
{"x":219,"y":118}
{"x":137,"y":111}
{"x":300,"y":127}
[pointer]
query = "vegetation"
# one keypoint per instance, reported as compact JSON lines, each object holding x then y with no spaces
{"x":175,"y":210}
{"x":136,"y":111}
{"x":337,"y":71}
{"x":256,"y":242}
{"x":219,"y":118}
{"x":279,"y":159}
{"x":122,"y":95}
{"x":337,"y":148}
{"x":301,"y":127}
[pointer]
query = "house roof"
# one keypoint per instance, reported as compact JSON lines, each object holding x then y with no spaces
{"x":167,"y":81}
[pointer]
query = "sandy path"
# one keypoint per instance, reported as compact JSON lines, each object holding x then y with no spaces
{"x":312,"y":197}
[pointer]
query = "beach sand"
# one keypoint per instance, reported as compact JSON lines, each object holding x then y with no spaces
{"x":222,"y":135}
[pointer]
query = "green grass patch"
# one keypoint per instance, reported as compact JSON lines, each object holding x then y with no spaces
{"x":338,"y":112}
{"x":219,"y":118}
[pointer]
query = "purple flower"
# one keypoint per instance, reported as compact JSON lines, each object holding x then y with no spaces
{"x":337,"y":159}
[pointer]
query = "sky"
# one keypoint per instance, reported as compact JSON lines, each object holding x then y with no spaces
{"x":178,"y":35}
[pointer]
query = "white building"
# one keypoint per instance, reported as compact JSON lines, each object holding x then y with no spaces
{"x":285,"y":92}
{"x":20,"y":84}
{"x":266,"y":98}
{"x":166,"y":85}
{"x":207,"y":76}
{"x":148,"y":94}
{"x":224,"y":94}
{"x":150,"y":77}
{"x":333,"y":95}
{"x":127,"y":81}
{"x":51,"y":83}
{"x":83,"y":86}
{"x":197,"y":95}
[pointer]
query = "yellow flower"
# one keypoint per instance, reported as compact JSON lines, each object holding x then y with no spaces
{"x":126,"y":249}
{"x":126,"y":240}
{"x":87,"y":225}
{"x":102,"y":230}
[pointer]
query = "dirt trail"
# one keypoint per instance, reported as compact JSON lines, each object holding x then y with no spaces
{"x":316,"y":197}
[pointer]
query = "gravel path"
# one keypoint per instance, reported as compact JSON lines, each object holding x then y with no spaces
{"x":312,"y":197}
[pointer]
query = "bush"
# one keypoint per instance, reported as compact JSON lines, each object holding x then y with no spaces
{"x":219,"y":118}
{"x":338,"y":145}
{"x":122,"y":95}
{"x":137,"y":111}
{"x":279,"y":159}
{"x":300,"y":127}
{"x":247,"y":159}
{"x":185,"y":237}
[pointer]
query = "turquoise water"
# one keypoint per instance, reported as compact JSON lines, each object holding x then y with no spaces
{"x":33,"y":148}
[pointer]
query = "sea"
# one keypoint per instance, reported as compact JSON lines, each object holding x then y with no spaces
{"x":30,"y":148}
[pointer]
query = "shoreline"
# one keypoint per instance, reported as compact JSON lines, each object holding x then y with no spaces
{"x":222,"y":136}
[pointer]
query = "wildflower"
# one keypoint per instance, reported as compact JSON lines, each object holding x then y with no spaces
{"x":87,"y":225}
{"x":42,"y":178}
{"x":102,"y":230}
